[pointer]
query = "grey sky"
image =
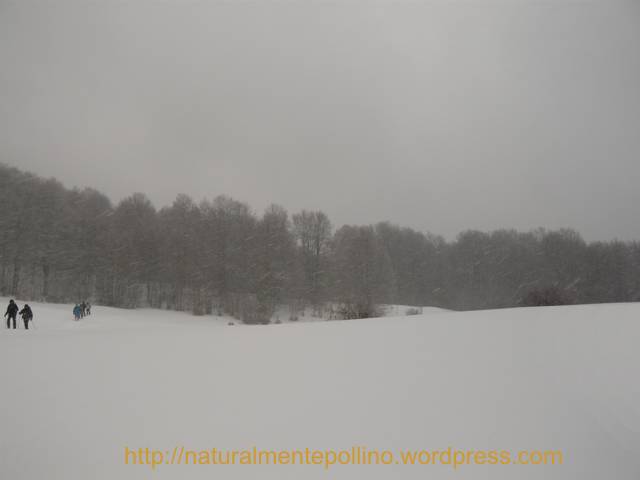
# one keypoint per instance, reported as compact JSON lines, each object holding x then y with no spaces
{"x":441,"y":116}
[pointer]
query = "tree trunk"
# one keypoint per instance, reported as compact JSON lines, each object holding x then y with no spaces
{"x":46,"y":271}
{"x":16,"y":277}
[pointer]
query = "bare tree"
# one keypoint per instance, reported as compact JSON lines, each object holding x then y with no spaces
{"x":312,"y":231}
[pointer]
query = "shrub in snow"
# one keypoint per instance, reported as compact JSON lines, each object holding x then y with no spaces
{"x":548,"y":296}
{"x":352,"y":311}
{"x":245,"y":307}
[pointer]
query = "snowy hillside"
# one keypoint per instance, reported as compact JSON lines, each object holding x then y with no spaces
{"x":74,"y":395}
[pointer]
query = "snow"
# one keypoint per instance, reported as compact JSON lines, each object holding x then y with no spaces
{"x":74,"y":394}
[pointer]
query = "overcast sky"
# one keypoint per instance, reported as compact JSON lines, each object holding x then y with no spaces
{"x":442,"y":116}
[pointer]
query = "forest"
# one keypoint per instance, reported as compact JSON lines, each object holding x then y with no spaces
{"x":219,"y":256}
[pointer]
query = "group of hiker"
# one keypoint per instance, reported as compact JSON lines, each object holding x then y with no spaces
{"x":12,"y":312}
{"x":81,"y":310}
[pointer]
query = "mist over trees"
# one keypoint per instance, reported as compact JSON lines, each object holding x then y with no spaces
{"x":218,"y":256}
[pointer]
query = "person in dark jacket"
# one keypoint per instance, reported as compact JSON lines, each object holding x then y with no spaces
{"x":76,"y":312}
{"x":12,"y":311}
{"x":27,"y":315}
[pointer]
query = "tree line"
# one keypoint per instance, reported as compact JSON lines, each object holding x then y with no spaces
{"x":218,"y":256}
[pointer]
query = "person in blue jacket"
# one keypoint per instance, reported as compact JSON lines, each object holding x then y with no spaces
{"x":77,"y":312}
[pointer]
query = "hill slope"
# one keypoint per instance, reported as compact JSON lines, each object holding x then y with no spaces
{"x":76,"y":394}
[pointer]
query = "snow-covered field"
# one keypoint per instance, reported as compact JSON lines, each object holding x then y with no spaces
{"x":73,"y":395}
